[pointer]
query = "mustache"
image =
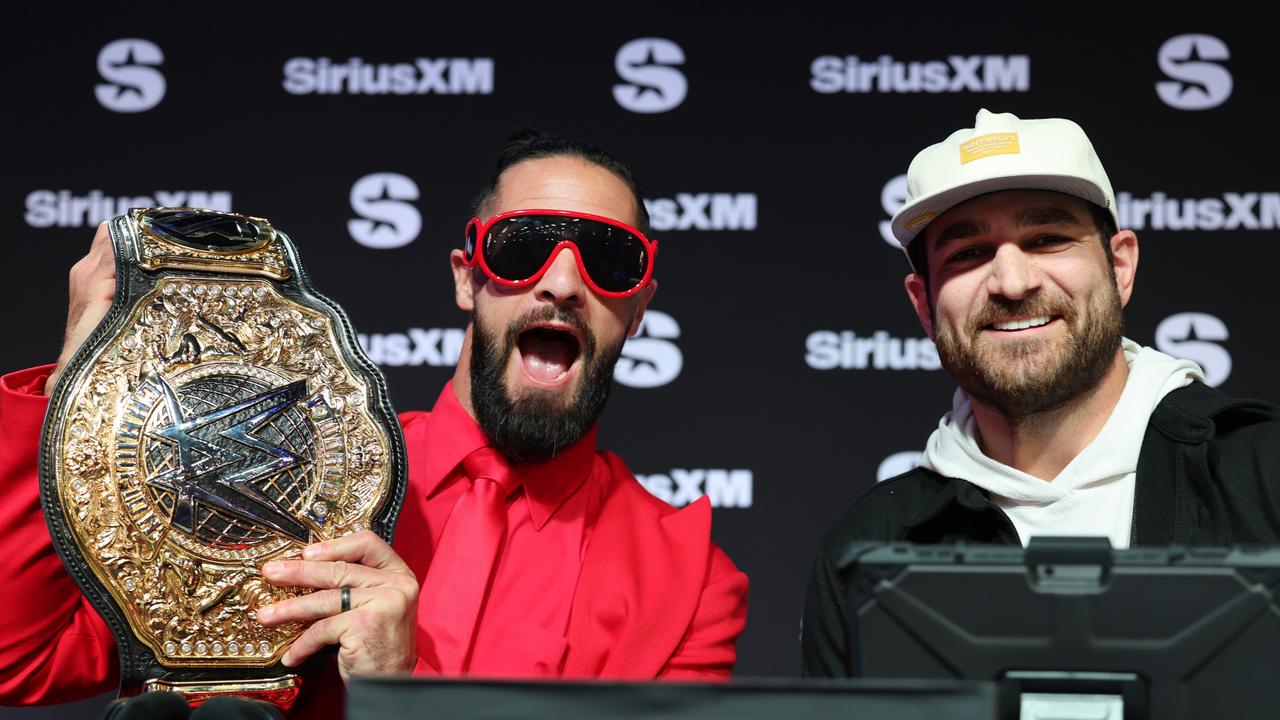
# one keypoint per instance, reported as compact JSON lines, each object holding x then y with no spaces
{"x":998,"y":308}
{"x":551,"y":313}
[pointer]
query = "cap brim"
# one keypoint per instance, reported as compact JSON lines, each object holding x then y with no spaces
{"x":914,"y":216}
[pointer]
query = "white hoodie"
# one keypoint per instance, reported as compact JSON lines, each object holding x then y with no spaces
{"x":1093,"y":495}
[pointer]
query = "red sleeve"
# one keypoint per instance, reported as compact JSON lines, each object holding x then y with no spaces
{"x":53,"y":647}
{"x":709,"y":648}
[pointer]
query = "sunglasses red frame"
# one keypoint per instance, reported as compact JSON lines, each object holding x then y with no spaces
{"x":482,"y":228}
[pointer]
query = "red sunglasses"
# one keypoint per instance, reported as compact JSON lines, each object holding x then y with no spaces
{"x":516,"y":248}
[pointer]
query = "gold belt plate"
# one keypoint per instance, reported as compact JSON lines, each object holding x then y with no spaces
{"x":218,"y":429}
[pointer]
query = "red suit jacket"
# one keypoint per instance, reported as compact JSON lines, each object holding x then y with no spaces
{"x":655,"y":598}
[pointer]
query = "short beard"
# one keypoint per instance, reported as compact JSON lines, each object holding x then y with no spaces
{"x":537,"y":426}
{"x":1020,"y":385}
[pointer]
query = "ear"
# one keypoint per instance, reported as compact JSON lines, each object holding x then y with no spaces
{"x":1124,"y":248}
{"x":919,"y":296}
{"x":643,"y":297}
{"x":464,"y":287}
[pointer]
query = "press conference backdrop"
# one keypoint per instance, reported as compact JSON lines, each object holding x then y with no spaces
{"x":779,"y":370}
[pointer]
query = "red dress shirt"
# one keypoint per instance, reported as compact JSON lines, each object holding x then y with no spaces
{"x":597,"y":579}
{"x":522,"y":626}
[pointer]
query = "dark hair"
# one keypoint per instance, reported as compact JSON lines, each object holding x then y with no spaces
{"x":531,"y":144}
{"x":1102,"y":220}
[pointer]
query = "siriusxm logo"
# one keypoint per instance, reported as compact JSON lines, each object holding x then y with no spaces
{"x":388,"y":219}
{"x":651,"y":359}
{"x":1232,"y":211}
{"x":653,"y":85}
{"x":972,"y":73}
{"x":1196,"y":84}
{"x":437,"y":347}
{"x":724,"y":488}
{"x":830,"y":350}
{"x":1195,"y":336}
{"x":423,"y":76}
{"x":133,"y":84}
{"x":703,"y":211}
{"x":63,"y":208}
{"x":898,"y":463}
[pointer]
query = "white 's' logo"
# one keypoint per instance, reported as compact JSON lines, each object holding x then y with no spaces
{"x":1188,"y":335}
{"x":650,"y":358}
{"x":386,"y":219}
{"x":654,"y":86}
{"x":892,"y":198}
{"x":1196,"y":84}
{"x":898,"y":463}
{"x":133,"y":83}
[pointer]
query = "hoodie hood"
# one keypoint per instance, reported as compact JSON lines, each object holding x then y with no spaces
{"x":953,"y":448}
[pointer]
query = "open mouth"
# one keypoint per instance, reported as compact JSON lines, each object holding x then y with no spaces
{"x":1022,"y":324}
{"x":548,"y":353}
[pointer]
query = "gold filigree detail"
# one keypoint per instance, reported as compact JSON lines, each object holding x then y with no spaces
{"x":191,"y":598}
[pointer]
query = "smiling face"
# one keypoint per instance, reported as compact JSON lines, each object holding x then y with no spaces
{"x":538,"y":360}
{"x":1022,"y":302}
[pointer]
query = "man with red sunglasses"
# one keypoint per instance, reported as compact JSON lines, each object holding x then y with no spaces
{"x":522,"y":551}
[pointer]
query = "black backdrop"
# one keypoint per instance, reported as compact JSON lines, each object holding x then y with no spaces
{"x":780,"y":365}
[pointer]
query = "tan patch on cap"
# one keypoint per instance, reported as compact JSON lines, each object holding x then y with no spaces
{"x":988,"y":145}
{"x":918,"y":220}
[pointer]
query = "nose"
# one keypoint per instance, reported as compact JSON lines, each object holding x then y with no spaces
{"x":1013,"y":273}
{"x":562,"y":284}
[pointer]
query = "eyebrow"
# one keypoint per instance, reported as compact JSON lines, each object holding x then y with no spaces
{"x":1027,"y":217}
{"x":1045,"y":216}
{"x":959,"y":231}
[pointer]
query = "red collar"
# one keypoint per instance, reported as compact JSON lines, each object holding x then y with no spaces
{"x":454,"y":434}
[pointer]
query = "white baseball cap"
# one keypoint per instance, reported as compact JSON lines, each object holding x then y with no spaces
{"x":1001,"y":152}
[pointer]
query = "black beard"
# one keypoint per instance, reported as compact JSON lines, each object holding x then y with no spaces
{"x":538,"y":426}
{"x":1019,"y":394}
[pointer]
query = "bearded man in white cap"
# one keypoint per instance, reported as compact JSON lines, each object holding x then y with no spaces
{"x":1061,"y":425}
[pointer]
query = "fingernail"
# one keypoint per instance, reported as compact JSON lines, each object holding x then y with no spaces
{"x":287,"y":659}
{"x":271,"y":567}
{"x":265,"y":613}
{"x":311,"y":552}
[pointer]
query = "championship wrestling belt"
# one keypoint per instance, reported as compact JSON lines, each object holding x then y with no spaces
{"x":221,"y":415}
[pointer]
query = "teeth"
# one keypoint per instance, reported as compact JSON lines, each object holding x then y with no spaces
{"x":1022,"y":324}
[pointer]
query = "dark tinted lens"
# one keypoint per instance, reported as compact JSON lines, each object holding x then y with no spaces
{"x":469,"y":245}
{"x":615,"y":258}
{"x":517,"y":247}
{"x":208,"y":231}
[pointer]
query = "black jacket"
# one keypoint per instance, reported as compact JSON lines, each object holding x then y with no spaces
{"x":1208,"y":474}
